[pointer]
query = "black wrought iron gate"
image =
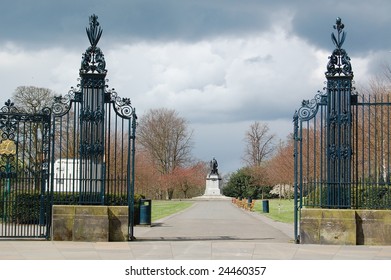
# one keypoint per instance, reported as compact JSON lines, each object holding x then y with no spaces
{"x":80,"y":151}
{"x":24,"y":172}
{"x":92,"y":160}
{"x":342,"y":144}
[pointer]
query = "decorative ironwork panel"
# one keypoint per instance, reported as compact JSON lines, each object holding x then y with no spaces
{"x":25,"y":203}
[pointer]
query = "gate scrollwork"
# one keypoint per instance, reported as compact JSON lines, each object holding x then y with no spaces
{"x":309,"y":108}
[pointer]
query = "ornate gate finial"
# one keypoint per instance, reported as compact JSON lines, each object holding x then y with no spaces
{"x":95,"y":31}
{"x":93,"y":59}
{"x":339,"y":26}
{"x":339,"y":63}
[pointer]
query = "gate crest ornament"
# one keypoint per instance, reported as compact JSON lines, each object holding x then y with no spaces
{"x":93,"y":59}
{"x":339,"y":61}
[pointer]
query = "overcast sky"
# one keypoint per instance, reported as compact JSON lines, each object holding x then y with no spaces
{"x":221,"y":64}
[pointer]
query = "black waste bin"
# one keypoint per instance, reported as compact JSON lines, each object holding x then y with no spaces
{"x":265,"y":206}
{"x":145,"y":211}
{"x":249,"y":201}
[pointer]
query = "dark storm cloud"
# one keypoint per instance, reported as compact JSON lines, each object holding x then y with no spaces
{"x":366,"y":23}
{"x":47,"y":21}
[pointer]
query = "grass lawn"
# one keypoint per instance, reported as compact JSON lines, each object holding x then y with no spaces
{"x":279,"y":209}
{"x":164,"y":208}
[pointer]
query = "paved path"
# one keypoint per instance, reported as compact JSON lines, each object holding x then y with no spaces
{"x":213,"y":221}
{"x":208,"y":230}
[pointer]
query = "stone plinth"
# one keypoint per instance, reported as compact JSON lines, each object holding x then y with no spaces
{"x":90,"y":223}
{"x":326,"y":226}
{"x":63,"y":218}
{"x":212,"y":190}
{"x":373,"y":227}
{"x":345,"y":227}
{"x":118,"y":223}
{"x":213,"y":185}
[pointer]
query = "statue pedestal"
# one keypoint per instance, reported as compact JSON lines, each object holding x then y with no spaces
{"x":213,"y":185}
{"x":212,"y":190}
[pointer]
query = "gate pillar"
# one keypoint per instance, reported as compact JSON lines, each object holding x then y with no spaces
{"x":339,"y":122}
{"x":92,"y":118}
{"x":93,"y":150}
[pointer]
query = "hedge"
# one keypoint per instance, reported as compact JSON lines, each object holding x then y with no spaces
{"x":25,"y":208}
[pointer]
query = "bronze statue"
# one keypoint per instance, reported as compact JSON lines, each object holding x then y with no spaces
{"x":213,"y":167}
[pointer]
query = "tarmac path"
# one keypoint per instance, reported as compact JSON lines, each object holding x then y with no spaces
{"x":214,"y":220}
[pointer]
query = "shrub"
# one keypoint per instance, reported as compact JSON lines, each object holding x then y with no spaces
{"x":373,"y":197}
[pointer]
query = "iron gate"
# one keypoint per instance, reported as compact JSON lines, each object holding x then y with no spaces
{"x":24,"y":171}
{"x":92,"y":160}
{"x":342,"y":144}
{"x":81,"y":151}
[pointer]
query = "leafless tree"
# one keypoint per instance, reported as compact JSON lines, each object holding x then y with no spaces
{"x":32,"y":100}
{"x":167,"y":139}
{"x":259,"y":144}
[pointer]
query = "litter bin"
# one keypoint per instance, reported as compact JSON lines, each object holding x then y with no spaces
{"x":145,"y":211}
{"x":265,"y":206}
{"x":249,"y":201}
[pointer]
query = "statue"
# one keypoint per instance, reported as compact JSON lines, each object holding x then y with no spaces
{"x":213,"y":167}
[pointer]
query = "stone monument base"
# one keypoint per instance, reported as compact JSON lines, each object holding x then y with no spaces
{"x":212,"y":190}
{"x":213,"y":185}
{"x":211,"y":197}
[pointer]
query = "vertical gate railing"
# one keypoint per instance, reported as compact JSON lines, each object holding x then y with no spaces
{"x":371,"y":139}
{"x":24,"y":171}
{"x":342,"y":143}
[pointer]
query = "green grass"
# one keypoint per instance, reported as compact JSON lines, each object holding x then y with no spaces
{"x":279,"y":209}
{"x":164,"y":208}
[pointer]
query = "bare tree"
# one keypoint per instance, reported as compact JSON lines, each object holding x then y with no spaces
{"x":32,"y":99}
{"x":259,"y":144}
{"x":167,"y":139}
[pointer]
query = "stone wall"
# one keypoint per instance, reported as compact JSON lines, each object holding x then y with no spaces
{"x":89,"y":223}
{"x":345,"y":227}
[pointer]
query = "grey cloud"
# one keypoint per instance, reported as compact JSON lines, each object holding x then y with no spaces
{"x":259,"y":59}
{"x":366,"y":23}
{"x":48,"y":22}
